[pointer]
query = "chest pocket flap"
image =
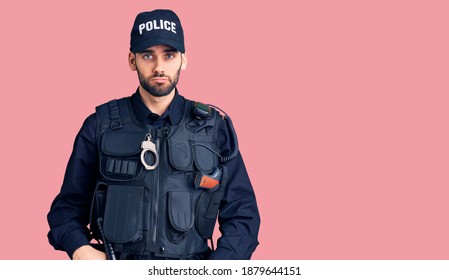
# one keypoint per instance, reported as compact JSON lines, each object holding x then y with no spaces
{"x":180,"y":154}
{"x":122,"y":144}
{"x":120,"y":155}
{"x":205,"y":159}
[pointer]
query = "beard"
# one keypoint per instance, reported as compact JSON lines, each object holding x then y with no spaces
{"x":158,"y":90}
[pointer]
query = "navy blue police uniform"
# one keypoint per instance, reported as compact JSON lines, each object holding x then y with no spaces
{"x":163,"y":204}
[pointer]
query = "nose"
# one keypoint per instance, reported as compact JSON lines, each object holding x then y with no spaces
{"x":159,"y":66}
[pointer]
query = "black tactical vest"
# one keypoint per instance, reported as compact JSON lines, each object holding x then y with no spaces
{"x":160,"y":212}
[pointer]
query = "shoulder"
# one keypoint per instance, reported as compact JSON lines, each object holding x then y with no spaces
{"x":112,"y":103}
{"x":89,"y":129}
{"x":205,"y":111}
{"x":90,"y":124}
{"x":112,"y":112}
{"x":90,"y":120}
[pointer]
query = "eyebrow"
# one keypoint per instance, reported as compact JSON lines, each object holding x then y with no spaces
{"x":167,"y":50}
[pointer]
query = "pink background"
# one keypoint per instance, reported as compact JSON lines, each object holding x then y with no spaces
{"x":341,"y":108}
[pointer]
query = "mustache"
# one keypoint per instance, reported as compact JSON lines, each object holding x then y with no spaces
{"x":158,"y":76}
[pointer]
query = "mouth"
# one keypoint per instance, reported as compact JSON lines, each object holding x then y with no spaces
{"x":158,"y":79}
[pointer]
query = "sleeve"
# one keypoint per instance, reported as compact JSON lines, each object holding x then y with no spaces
{"x":69,"y":213}
{"x":238,"y":218}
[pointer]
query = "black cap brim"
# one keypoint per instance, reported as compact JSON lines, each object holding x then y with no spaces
{"x":154,"y":41}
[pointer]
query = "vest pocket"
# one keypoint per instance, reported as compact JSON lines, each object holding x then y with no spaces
{"x":180,"y":215}
{"x":183,"y":153}
{"x":180,"y":154}
{"x":123,"y":221}
{"x":205,"y":159}
{"x":120,"y":155}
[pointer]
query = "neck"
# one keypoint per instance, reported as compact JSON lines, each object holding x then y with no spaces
{"x":157,"y":105}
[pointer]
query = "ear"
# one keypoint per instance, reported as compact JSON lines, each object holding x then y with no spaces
{"x":183,"y":61}
{"x":132,"y":61}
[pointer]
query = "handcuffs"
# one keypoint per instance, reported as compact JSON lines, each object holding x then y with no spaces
{"x":148,"y":146}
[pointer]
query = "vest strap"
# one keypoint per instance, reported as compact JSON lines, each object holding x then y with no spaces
{"x":114,"y":115}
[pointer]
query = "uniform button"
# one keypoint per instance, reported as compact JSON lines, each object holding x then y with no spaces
{"x":162,"y":249}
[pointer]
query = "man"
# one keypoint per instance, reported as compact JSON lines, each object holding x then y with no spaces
{"x":150,"y":173}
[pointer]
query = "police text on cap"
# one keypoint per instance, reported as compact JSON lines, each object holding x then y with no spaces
{"x":153,"y":24}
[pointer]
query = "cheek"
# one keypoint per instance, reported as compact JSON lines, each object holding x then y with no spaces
{"x":176,"y":67}
{"x":143,"y":69}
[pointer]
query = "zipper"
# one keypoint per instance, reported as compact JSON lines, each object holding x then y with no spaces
{"x":156,"y":190}
{"x":161,"y":135}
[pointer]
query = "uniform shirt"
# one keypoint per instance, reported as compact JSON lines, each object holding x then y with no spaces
{"x":69,"y":214}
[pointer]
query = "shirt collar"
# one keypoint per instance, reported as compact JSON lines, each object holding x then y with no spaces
{"x":173,"y":114}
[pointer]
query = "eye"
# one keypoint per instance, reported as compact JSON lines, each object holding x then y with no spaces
{"x":169,"y":56}
{"x":147,"y":56}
